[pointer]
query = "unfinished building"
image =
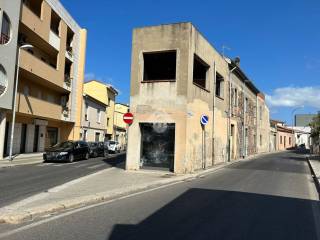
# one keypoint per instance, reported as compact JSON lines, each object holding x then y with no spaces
{"x":176,"y":77}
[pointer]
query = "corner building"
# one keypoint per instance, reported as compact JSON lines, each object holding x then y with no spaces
{"x":172,"y":84}
{"x":176,"y":77}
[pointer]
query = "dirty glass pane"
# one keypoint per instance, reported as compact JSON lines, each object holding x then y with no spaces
{"x":157,"y":145}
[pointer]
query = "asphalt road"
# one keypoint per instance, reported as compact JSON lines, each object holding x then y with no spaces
{"x":268,"y":198}
{"x":19,"y":182}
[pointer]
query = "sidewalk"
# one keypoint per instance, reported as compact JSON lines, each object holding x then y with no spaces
{"x":22,"y":159}
{"x":314,"y":163}
{"x":108,"y":184}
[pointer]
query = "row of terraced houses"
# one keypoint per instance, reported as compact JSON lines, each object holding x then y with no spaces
{"x":52,"y":102}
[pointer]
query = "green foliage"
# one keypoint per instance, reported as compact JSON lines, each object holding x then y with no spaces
{"x":315,"y":126}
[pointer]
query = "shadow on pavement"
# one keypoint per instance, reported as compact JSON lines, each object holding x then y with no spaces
{"x":116,"y":160}
{"x":218,"y":214}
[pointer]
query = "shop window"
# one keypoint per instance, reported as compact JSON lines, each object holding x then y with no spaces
{"x":159,"y":66}
{"x":219,"y":85}
{"x":5,"y":29}
{"x":157,"y":145}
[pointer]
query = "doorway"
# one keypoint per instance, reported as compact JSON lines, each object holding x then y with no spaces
{"x":36,"y":138}
{"x":157,"y":145}
{"x":52,"y":136}
{"x":23,"y":138}
{"x":97,"y":137}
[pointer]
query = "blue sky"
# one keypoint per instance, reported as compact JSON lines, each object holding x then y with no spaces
{"x":278,"y":42}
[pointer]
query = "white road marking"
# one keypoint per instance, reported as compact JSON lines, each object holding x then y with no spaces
{"x":32,"y":225}
{"x":97,"y":166}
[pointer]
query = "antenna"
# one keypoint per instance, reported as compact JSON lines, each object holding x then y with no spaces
{"x":225,"y":47}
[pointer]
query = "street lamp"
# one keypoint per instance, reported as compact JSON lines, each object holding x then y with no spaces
{"x":25,"y":46}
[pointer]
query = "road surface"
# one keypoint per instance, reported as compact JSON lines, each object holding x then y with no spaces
{"x":272,"y":197}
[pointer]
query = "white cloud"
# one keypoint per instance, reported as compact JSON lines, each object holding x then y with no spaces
{"x":295,"y":97}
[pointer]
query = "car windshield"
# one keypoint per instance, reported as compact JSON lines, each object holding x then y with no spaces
{"x":112,"y":142}
{"x":64,"y":145}
{"x":92,"y":144}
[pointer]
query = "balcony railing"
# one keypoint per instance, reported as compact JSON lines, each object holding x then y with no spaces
{"x":67,"y":80}
{"x":66,"y":113}
{"x":4,"y":38}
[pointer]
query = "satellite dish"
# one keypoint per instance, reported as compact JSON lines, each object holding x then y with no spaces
{"x":237,"y":60}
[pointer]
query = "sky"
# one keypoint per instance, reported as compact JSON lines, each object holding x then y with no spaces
{"x":278,"y":42}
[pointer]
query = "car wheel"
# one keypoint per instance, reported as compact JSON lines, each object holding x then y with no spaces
{"x":87,"y":156}
{"x":71,"y":158}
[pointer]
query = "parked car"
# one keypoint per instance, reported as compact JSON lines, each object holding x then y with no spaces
{"x":98,"y":149}
{"x":67,"y":151}
{"x":113,"y":146}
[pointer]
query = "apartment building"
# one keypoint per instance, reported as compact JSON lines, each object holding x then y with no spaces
{"x":177,"y":76}
{"x":105,"y":94}
{"x":120,"y":127}
{"x":93,"y":119}
{"x":51,"y":72}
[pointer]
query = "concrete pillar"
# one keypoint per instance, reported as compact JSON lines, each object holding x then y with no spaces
{"x":42,"y":137}
{"x":16,"y":138}
{"x":2,"y":133}
{"x":134,"y":146}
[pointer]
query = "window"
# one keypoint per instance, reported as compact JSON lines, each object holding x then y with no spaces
{"x":26,"y":91}
{"x":200,"y":70}
{"x":260,"y":140}
{"x":219,"y":85}
{"x":246,"y":105}
{"x":5,"y":29}
{"x":260,"y":112}
{"x":280,"y":139}
{"x":34,"y":5}
{"x":84,"y":134}
{"x":97,"y":137}
{"x":235,"y":97}
{"x":289,"y":140}
{"x":98,"y":115}
{"x":3,"y":80}
{"x":55,"y":23}
{"x":159,"y":66}
{"x":86,"y":115}
{"x":108,"y":120}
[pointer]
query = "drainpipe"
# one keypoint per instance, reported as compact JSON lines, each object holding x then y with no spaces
{"x":244,"y":121}
{"x":229,"y":116}
{"x":213,"y":107}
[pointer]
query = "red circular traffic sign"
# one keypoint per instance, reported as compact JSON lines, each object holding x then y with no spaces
{"x":128,"y":118}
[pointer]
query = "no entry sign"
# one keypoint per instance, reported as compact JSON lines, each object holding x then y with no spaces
{"x":128,"y":118}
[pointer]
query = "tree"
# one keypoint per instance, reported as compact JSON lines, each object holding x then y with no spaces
{"x":315,"y":126}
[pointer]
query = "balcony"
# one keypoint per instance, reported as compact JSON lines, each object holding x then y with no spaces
{"x":32,"y":21}
{"x":54,"y":40}
{"x":67,"y":83}
{"x":69,"y":54}
{"x":38,"y":107}
{"x":43,"y":70}
{"x":66,"y":114}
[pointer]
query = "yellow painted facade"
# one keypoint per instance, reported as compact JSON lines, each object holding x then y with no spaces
{"x":106,"y":94}
{"x":120,"y":110}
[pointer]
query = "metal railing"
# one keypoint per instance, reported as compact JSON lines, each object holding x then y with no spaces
{"x":4,"y":38}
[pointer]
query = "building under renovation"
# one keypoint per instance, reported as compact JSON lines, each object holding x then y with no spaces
{"x":177,"y":77}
